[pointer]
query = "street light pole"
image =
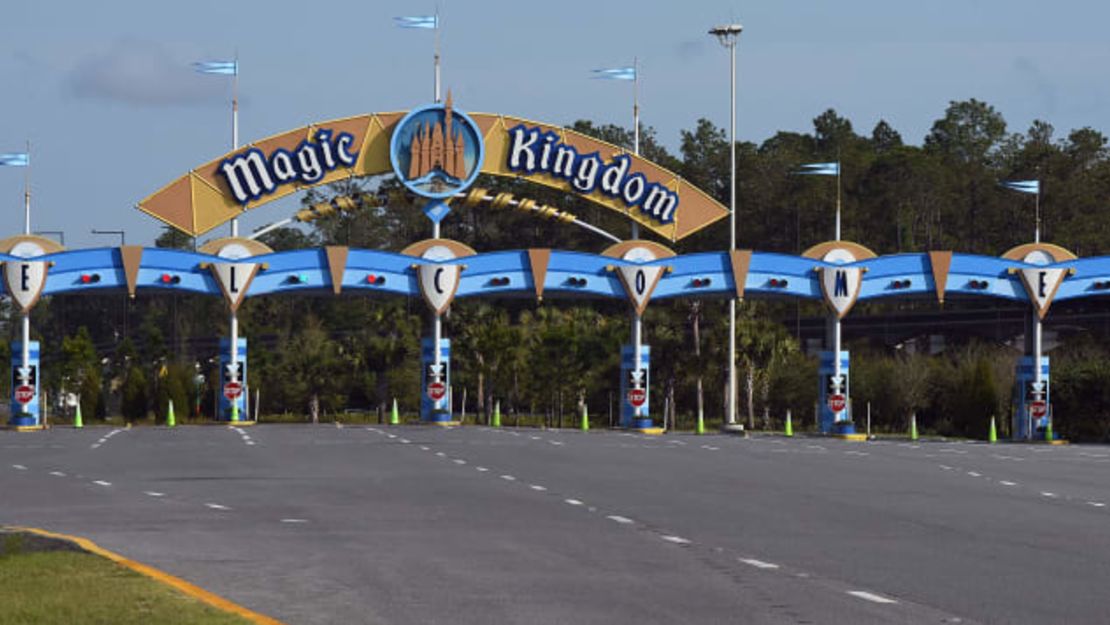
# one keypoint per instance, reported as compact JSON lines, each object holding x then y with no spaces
{"x":122,"y":235}
{"x":728,"y":35}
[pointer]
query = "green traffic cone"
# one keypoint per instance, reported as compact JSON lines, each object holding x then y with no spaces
{"x":394,"y":416}
{"x":993,"y":435}
{"x":789,"y":424}
{"x":1048,"y":431}
{"x":77,"y":421}
{"x":701,"y":424}
{"x":235,"y":411}
{"x":913,"y":427}
{"x":171,"y":421}
{"x":497,"y":414}
{"x":585,"y":418}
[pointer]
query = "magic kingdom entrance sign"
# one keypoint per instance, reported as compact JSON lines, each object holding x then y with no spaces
{"x":321,"y":153}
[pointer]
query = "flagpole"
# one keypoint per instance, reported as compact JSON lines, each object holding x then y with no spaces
{"x":1037,"y":230}
{"x":235,"y":131}
{"x":27,"y":196}
{"x":838,"y":199}
{"x":437,"y":79}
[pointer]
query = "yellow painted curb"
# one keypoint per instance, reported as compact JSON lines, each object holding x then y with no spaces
{"x":449,"y":424}
{"x":1058,"y":441}
{"x":196,"y":592}
{"x":649,"y":431}
{"x":851,"y":437}
{"x":25,"y":428}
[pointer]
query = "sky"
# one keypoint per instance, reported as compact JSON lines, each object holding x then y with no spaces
{"x":105,"y":93}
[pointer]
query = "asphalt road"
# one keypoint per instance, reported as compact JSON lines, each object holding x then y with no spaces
{"x":319,"y":524}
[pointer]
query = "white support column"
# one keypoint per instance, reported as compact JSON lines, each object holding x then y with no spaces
{"x":25,"y":354}
{"x":234,"y":331}
{"x":1038,"y":376}
{"x":437,"y":336}
{"x":637,"y":352}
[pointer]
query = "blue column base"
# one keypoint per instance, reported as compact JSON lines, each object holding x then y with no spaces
{"x":844,"y":427}
{"x":23,"y":420}
{"x":436,"y":416}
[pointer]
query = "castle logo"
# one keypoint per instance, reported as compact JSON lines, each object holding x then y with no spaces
{"x":436,"y":150}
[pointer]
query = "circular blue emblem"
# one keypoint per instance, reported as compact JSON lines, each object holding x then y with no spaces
{"x":436,"y":151}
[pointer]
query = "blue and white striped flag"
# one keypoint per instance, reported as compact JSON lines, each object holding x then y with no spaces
{"x":615,"y":73}
{"x":430,"y":22}
{"x":226,"y":68}
{"x":820,"y":169}
{"x":15,"y":159}
{"x":1032,"y":187}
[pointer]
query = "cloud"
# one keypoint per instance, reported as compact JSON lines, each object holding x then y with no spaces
{"x":143,"y":73}
{"x":690,"y":49}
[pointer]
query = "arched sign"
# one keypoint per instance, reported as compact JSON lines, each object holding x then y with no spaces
{"x":321,"y":153}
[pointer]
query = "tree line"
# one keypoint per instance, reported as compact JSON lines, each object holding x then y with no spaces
{"x":542,"y":362}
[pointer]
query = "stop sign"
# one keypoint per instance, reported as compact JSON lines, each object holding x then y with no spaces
{"x":436,"y":390}
{"x":233,"y":390}
{"x":1038,"y":408}
{"x":24,"y":393}
{"x":637,"y":397}
{"x":837,"y":402}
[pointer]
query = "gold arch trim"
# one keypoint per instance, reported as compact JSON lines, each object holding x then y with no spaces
{"x":1058,"y":254}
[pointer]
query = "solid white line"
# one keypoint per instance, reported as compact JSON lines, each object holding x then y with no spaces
{"x":573,"y":502}
{"x":1007,"y":483}
{"x":678,"y":540}
{"x":101,"y":483}
{"x":216,"y":506}
{"x":57,"y":474}
{"x":537,"y":487}
{"x":482,"y":469}
{"x":294,"y":520}
{"x":759,"y":564}
{"x":1097,"y":504}
{"x":508,"y":478}
{"x":1047,"y":494}
{"x":153,"y":493}
{"x":867,"y":596}
{"x":620,"y":519}
{"x":19,"y":467}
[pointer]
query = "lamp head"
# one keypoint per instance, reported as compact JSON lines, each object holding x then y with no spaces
{"x":727,"y":34}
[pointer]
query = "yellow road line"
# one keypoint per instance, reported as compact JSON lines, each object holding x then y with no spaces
{"x":192,"y":590}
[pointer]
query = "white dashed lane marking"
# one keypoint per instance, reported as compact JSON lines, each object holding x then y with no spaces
{"x":216,"y":506}
{"x":869,"y":596}
{"x":101,"y":483}
{"x":57,"y":474}
{"x":974,"y":474}
{"x":678,"y":540}
{"x":619,"y":519}
{"x":153,"y":493}
{"x":573,"y":502}
{"x":294,"y":520}
{"x":19,"y":467}
{"x":537,"y":487}
{"x":459,"y":461}
{"x":759,"y":564}
{"x":1097,"y":504}
{"x":481,"y":469}
{"x":1007,"y":483}
{"x":508,"y":478}
{"x":1045,"y":493}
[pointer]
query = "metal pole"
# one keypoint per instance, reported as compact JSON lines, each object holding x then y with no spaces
{"x":437,"y":83}
{"x":1037,"y":231}
{"x":838,"y":199}
{"x":635,"y":131}
{"x":732,"y":233}
{"x":27,"y":195}
{"x":235,"y":130}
